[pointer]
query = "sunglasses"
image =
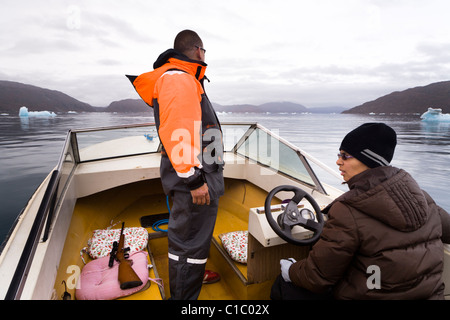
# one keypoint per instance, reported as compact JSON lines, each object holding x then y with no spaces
{"x":203,"y":49}
{"x":344,"y":156}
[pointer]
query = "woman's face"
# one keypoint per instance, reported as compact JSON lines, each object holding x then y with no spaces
{"x":349,"y":167}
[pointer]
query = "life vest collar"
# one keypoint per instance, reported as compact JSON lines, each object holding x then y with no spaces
{"x":145,"y":83}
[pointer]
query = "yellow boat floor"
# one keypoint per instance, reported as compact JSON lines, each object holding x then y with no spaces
{"x":129,"y":203}
{"x":215,"y":291}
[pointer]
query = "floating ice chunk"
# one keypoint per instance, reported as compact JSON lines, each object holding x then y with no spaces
{"x":435,"y":115}
{"x":23,"y":112}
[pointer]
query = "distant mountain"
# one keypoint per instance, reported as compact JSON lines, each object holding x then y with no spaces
{"x":128,"y":105}
{"x":413,"y":100}
{"x":14,"y":95}
{"x":275,"y":107}
{"x":137,"y":105}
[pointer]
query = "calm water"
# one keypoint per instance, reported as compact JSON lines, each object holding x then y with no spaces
{"x":30,"y":148}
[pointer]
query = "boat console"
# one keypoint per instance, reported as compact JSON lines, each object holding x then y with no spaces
{"x":298,"y":225}
{"x":259,"y":227}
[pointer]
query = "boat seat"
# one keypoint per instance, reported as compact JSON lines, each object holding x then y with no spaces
{"x":99,"y":282}
{"x":235,"y":244}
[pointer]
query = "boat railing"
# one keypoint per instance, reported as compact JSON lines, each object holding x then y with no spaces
{"x":43,"y":216}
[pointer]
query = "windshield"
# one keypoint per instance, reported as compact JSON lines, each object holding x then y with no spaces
{"x":269,"y":151}
{"x":249,"y":140}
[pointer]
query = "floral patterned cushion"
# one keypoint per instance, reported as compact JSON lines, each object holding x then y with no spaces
{"x":101,"y":242}
{"x":235,"y":243}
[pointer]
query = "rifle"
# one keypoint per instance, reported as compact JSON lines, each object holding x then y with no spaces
{"x":127,"y":277}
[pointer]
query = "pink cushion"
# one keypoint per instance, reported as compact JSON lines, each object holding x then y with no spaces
{"x":100,"y":282}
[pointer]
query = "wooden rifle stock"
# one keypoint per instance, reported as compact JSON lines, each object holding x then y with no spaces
{"x":127,"y":277}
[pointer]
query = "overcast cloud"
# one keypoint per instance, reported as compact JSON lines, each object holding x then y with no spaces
{"x":317,"y":52}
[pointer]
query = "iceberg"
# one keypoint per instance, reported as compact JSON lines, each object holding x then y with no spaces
{"x":435,"y":114}
{"x":24,"y":113}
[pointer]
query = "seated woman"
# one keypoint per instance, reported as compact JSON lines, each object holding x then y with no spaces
{"x":383,"y":238}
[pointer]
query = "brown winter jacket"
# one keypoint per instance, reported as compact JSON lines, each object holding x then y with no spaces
{"x":385,"y":230}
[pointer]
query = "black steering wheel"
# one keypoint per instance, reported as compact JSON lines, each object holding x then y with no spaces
{"x":293,"y":217}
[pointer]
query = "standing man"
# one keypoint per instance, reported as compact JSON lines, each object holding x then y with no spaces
{"x":191,"y":161}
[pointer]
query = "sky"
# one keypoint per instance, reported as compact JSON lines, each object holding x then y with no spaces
{"x":314,"y":52}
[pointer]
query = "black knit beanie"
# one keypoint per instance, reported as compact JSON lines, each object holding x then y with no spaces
{"x":371,"y":143}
